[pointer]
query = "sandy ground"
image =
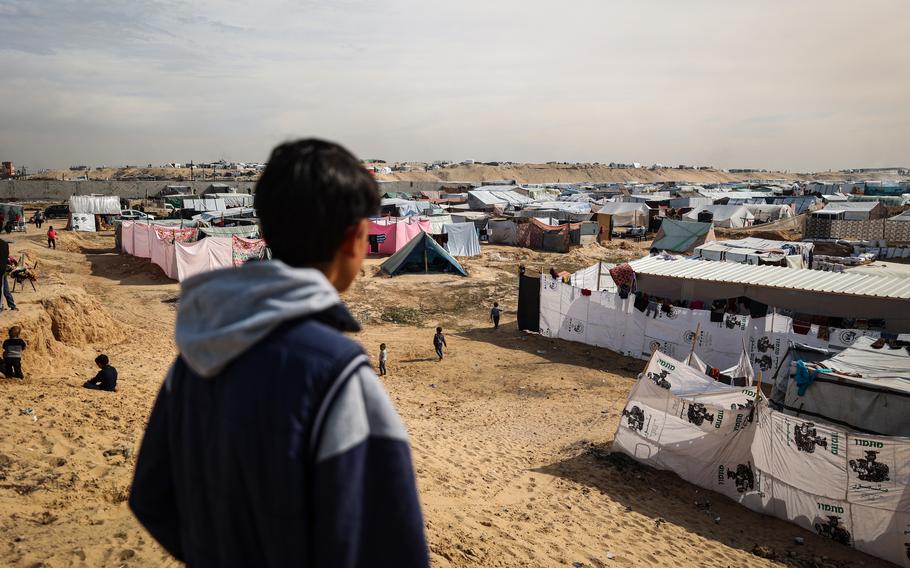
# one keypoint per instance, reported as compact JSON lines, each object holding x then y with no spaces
{"x":511,"y":432}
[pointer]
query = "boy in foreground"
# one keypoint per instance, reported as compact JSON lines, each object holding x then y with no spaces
{"x":439,"y":341}
{"x":272,"y":442}
{"x":12,"y":353}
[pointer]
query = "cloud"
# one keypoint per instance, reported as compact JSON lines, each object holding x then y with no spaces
{"x":808,"y":85}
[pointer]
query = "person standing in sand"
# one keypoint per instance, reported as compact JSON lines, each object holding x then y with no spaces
{"x":495,"y":314}
{"x":439,"y":341}
{"x":12,"y":354}
{"x":51,"y":238}
{"x":272,"y":442}
{"x":4,"y":277}
{"x":383,"y":359}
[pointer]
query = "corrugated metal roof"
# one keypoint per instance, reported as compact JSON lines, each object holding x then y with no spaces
{"x":776,"y":277}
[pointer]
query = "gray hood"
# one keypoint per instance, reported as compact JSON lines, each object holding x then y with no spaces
{"x":225,"y":312}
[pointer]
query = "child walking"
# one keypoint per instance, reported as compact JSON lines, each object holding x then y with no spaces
{"x":383,"y":357}
{"x":12,"y":353}
{"x":439,"y":341}
{"x":51,"y":238}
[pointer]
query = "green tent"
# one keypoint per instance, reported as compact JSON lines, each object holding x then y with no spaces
{"x":421,"y":254}
{"x":682,"y":236}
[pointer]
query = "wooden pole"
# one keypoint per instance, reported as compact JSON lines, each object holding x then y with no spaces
{"x":758,"y":388}
{"x":426,"y":266}
{"x":599,"y":269}
{"x":694,"y":341}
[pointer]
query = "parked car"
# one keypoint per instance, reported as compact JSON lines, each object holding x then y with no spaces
{"x":133,"y":215}
{"x":61,"y":211}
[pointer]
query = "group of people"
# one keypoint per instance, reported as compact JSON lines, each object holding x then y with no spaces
{"x":14,"y":347}
{"x":439,"y":341}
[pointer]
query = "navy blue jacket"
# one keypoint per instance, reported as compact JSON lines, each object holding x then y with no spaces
{"x":291,"y":456}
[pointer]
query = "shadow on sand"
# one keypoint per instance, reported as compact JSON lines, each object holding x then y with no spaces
{"x":555,"y":350}
{"x":656,"y":494}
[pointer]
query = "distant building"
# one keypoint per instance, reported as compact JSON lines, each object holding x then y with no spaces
{"x":7,"y":170}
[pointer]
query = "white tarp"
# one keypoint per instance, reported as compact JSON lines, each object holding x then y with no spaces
{"x":463,"y":239}
{"x":207,"y":254}
{"x":728,"y":216}
{"x":842,"y":485}
{"x":82,"y":222}
{"x":95,"y":204}
{"x":205,"y":204}
{"x":626,"y":214}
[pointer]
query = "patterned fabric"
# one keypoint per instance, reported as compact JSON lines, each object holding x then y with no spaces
{"x":246,"y":249}
{"x":623,"y":274}
{"x":176,"y":235}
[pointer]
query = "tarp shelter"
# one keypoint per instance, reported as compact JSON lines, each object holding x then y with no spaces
{"x":726,"y":216}
{"x":540,"y":236}
{"x":856,"y":210}
{"x":463,"y":239}
{"x":626,"y":214}
{"x":388,"y":236}
{"x":682,"y":236}
{"x":502,"y":232}
{"x":496,"y":196}
{"x":205,"y":204}
{"x":84,"y":208}
{"x":864,"y":388}
{"x":767,"y":213}
{"x":437,"y":222}
{"x":844,"y":485}
{"x":422,"y":254}
{"x":752,"y":250}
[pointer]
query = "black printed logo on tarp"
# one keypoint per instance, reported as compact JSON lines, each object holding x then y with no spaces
{"x":848,"y":336}
{"x":764,"y":344}
{"x":765,"y":362}
{"x":660,"y":379}
{"x":654,"y":346}
{"x":575,"y":326}
{"x":732,"y":322}
{"x":697,"y":414}
{"x":833,"y":529}
{"x":807,"y":438}
{"x":689,"y":336}
{"x":635,"y":417}
{"x":870,"y":469}
{"x":743,"y":477}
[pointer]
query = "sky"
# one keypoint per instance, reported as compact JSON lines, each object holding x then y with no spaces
{"x":803,"y":86}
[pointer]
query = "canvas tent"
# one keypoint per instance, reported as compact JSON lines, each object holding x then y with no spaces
{"x":726,"y":216}
{"x":841,"y":484}
{"x":626,"y":214}
{"x":767,"y":213}
{"x":463,"y":239}
{"x":682,"y":236}
{"x":421,"y":254}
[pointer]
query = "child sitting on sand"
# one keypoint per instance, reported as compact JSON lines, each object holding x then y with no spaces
{"x":106,"y":379}
{"x":12,"y":354}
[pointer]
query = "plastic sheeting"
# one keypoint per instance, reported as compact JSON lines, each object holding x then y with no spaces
{"x":502,"y":232}
{"x":95,"y":204}
{"x":840,"y":484}
{"x":463,"y":239}
{"x":606,"y":320}
{"x":388,"y":236}
{"x":202,"y":256}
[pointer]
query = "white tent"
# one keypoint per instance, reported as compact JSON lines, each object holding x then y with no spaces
{"x":766,"y":213}
{"x":626,"y":214}
{"x":727,"y":216}
{"x":83,"y":209}
{"x":463,"y":239}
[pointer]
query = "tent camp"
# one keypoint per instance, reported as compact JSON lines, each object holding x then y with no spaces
{"x":502,"y":232}
{"x":422,"y":254}
{"x":726,"y":216}
{"x":463,"y":239}
{"x":626,"y":214}
{"x":682,"y":236}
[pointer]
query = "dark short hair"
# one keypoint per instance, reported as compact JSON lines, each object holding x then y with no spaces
{"x":310,"y":194}
{"x":102,"y":359}
{"x":438,"y":329}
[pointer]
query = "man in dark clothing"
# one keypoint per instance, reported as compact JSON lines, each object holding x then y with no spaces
{"x":272,"y":442}
{"x":106,"y":379}
{"x":439,"y":340}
